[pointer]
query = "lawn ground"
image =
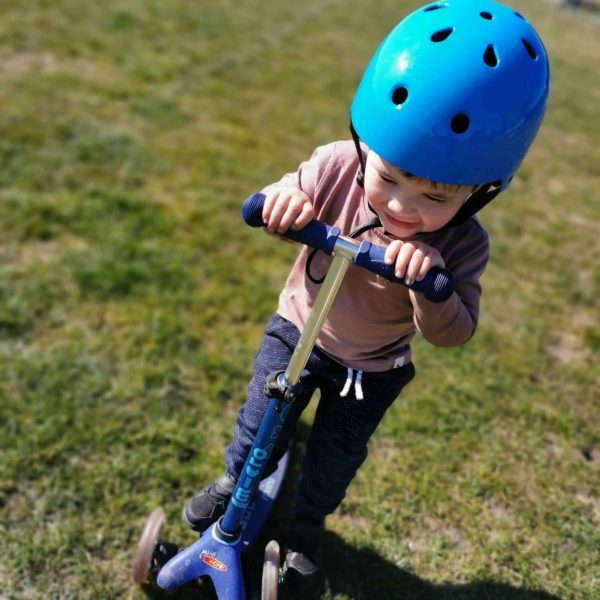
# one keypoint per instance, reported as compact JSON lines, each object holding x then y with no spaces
{"x":132,"y":300}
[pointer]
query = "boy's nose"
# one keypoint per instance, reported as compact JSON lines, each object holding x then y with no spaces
{"x":402,"y":202}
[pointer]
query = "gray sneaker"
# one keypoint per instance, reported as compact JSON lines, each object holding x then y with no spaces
{"x":208,"y":505}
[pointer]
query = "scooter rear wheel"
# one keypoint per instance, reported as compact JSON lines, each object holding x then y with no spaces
{"x":142,"y":561}
{"x":270,"y":574}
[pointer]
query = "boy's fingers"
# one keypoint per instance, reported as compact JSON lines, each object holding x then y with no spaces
{"x":391,"y":252}
{"x":294,"y":208}
{"x":425,"y":267}
{"x":414,"y":265}
{"x":277,"y":213}
{"x":403,"y":259}
{"x":307,"y":214}
{"x":286,"y":220}
{"x":268,"y":206}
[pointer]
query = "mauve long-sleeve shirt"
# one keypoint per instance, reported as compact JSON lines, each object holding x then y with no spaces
{"x":372,"y":321}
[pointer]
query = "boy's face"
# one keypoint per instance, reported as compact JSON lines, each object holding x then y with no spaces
{"x":406,"y":204}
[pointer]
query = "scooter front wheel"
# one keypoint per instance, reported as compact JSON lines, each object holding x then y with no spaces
{"x":142,"y":561}
{"x":270,"y":574}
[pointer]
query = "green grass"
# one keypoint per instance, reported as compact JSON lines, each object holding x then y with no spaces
{"x":132,"y":300}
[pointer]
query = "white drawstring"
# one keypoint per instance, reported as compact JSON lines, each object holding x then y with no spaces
{"x":347,"y":385}
{"x":358,"y":391}
{"x":358,"y":387}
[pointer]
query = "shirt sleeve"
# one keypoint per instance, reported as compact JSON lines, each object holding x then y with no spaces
{"x":453,"y":322}
{"x":310,"y":173}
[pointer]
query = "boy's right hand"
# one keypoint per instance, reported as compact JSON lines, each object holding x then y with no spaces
{"x":286,"y":207}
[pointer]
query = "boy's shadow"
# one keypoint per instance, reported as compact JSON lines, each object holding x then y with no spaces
{"x":357,"y":574}
{"x":362,"y":574}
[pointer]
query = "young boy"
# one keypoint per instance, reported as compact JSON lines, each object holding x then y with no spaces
{"x":443,"y":116}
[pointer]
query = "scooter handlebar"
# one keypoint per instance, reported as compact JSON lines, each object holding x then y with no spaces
{"x":436,"y":286}
{"x":316,"y":234}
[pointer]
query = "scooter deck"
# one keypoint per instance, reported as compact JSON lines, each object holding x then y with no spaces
{"x":220,"y":560}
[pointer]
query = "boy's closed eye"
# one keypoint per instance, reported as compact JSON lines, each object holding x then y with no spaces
{"x":435,"y":198}
{"x":431,"y":197}
{"x":387,"y":179}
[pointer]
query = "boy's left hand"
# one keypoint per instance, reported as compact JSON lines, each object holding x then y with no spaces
{"x":413,"y":259}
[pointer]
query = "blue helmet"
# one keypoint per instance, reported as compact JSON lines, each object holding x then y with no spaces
{"x":455,"y":93}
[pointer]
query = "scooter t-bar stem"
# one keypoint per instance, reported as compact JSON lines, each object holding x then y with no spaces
{"x":436,"y":286}
{"x":277,"y":411}
{"x":323,"y":301}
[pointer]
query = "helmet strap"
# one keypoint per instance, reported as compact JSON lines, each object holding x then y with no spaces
{"x":360,"y":178}
{"x":485,"y":194}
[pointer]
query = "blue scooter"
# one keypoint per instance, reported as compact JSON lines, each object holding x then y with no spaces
{"x":218,"y":552}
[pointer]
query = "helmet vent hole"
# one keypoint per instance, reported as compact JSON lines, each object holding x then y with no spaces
{"x":460,"y":123}
{"x":435,"y":7}
{"x":486,"y":15}
{"x":399,"y":96}
{"x":520,"y":16}
{"x":489,"y":56}
{"x":530,"y":49}
{"x":442,"y":34}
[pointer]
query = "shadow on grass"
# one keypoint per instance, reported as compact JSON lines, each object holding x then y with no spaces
{"x":362,"y":574}
{"x":356,"y":574}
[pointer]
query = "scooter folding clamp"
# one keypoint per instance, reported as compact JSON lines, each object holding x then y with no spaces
{"x":276,"y":386}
